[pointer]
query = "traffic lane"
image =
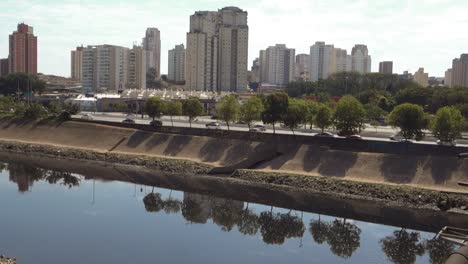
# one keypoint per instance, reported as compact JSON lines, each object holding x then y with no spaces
{"x":185,"y":123}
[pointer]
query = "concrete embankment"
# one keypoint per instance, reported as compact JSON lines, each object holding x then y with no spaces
{"x":408,"y":164}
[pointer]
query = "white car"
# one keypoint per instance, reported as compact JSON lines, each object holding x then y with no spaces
{"x":258,"y":128}
{"x":447,"y":143}
{"x":87,"y":117}
{"x":213,"y":125}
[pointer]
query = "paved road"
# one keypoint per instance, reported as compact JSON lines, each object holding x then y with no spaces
{"x":380,"y":133}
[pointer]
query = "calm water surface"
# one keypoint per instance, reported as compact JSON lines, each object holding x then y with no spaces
{"x":50,"y":217}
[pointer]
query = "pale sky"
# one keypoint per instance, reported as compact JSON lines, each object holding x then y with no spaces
{"x":412,"y":33}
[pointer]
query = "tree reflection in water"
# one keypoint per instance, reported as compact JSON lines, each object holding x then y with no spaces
{"x":342,"y":237}
{"x":439,"y":249}
{"x":402,"y":247}
{"x":25,"y":176}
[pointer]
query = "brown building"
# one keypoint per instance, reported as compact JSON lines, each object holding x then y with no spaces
{"x":460,"y":71}
{"x":386,"y":67}
{"x":23,"y":50}
{"x":3,"y":67}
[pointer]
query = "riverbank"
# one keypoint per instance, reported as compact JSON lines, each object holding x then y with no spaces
{"x":388,"y":194}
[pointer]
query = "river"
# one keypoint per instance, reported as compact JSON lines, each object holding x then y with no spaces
{"x":55,"y":216}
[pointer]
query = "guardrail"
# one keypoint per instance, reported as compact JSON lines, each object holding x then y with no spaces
{"x":357,"y":145}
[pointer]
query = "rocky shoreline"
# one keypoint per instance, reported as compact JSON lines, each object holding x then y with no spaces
{"x":386,"y":194}
{"x":6,"y":260}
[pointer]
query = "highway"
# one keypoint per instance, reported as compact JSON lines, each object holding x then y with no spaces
{"x":370,"y":133}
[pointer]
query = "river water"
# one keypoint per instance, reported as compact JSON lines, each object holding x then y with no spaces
{"x":55,"y":217}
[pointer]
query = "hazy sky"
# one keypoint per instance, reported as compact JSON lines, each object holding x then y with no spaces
{"x":412,"y":33}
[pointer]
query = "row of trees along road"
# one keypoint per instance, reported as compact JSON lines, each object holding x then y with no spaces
{"x":348,"y":116}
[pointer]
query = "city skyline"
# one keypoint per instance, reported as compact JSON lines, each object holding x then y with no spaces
{"x":396,"y":31}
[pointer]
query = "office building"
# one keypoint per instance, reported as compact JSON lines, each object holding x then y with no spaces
{"x":448,"y":78}
{"x":4,"y":67}
{"x":23,"y":50}
{"x":361,"y":60}
{"x":279,"y":65}
{"x":217,"y":49}
{"x":176,"y":67}
{"x":340,"y":61}
{"x":421,"y":78}
{"x":460,"y":71}
{"x":386,"y":67}
{"x":108,"y":67}
{"x":152,"y":47}
{"x":302,"y":70}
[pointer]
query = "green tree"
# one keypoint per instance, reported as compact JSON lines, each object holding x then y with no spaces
{"x":173,"y":108}
{"x":21,"y":82}
{"x":447,"y":124}
{"x":276,"y":106}
{"x":154,"y":107}
{"x":296,"y":113}
{"x":312,"y":109}
{"x":33,"y":111}
{"x":343,"y":238}
{"x":251,"y":110}
{"x":411,"y":120}
{"x":153,"y":202}
{"x":228,"y":109}
{"x":192,"y":108}
{"x":349,"y":116}
{"x":323,"y":119}
{"x":439,"y":250}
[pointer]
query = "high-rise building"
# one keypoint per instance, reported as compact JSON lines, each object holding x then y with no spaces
{"x":448,"y":78}
{"x":386,"y":67}
{"x":176,"y":69}
{"x":23,"y":50}
{"x":340,"y":61}
{"x":76,"y":61}
{"x":279,"y":65}
{"x":136,"y":68}
{"x":108,"y":67}
{"x":421,"y":78}
{"x":152,"y":47}
{"x":302,"y":71}
{"x":217,"y":49}
{"x":255,"y":71}
{"x":321,"y":62}
{"x":4,"y":67}
{"x":361,"y":60}
{"x":460,"y":71}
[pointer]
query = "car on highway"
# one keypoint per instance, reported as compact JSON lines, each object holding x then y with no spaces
{"x":324,"y":134}
{"x":87,"y":117}
{"x":452,"y":143}
{"x":358,"y":137}
{"x":258,"y":128}
{"x":213,"y":125}
{"x":156,"y":123}
{"x":128,"y":121}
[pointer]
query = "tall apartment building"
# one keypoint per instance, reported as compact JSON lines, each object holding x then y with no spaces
{"x":321,"y":62}
{"x":108,"y":67}
{"x":460,"y":71}
{"x":361,"y":60}
{"x":279,"y":65}
{"x":448,"y":78}
{"x":217,"y":49}
{"x":255,"y":71}
{"x":23,"y":50}
{"x":76,"y":62}
{"x":4,"y":67}
{"x":152,"y":47}
{"x":176,"y":69}
{"x":421,"y":78}
{"x":302,"y":67}
{"x":386,"y":67}
{"x":340,"y":61}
